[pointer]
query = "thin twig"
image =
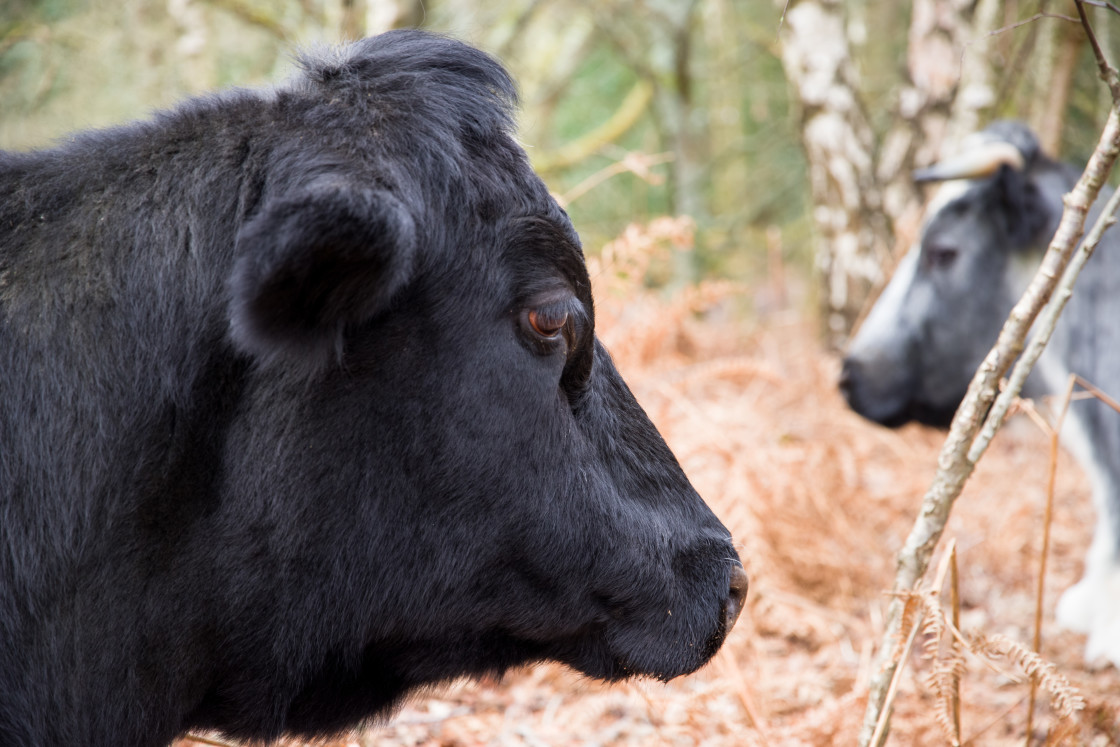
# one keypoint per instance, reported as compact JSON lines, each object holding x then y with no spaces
{"x":955,"y":606}
{"x":1047,"y":521}
{"x":1108,"y":73}
{"x":782,"y":19}
{"x":1097,"y":393}
{"x":1000,"y":719}
{"x":1020,"y":24}
{"x":882,"y":724}
{"x":1102,"y":4}
{"x":947,"y":567}
{"x":638,"y":164}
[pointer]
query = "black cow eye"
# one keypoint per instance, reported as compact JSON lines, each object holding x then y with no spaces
{"x":552,"y":323}
{"x":941,"y":257}
{"x":546,"y":322}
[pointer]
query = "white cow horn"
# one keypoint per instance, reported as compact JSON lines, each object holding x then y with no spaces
{"x":973,"y":164}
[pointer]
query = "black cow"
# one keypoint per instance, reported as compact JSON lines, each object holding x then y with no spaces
{"x":301,"y":409}
{"x":914,"y":356}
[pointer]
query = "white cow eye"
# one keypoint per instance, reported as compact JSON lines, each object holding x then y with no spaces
{"x":940,"y":257}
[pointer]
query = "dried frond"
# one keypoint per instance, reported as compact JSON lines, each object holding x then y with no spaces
{"x":1064,"y":697}
{"x":623,"y":264}
{"x":942,"y":649}
{"x":947,"y":667}
{"x":933,"y":625}
{"x":944,"y":679}
{"x":914,"y":610}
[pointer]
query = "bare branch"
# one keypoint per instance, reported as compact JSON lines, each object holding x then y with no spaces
{"x":1098,"y":394}
{"x":1108,"y":73}
{"x":633,"y":106}
{"x":1101,"y":4}
{"x":853,"y":237}
{"x":638,"y":164}
{"x":254,"y":15}
{"x":1044,"y":552}
{"x":782,"y":19}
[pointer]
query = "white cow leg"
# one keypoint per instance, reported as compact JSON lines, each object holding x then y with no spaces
{"x":1092,"y":605}
{"x":1104,"y":635}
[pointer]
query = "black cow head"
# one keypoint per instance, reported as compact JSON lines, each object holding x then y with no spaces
{"x":914,"y":355}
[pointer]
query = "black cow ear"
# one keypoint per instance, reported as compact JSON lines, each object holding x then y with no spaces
{"x":1026,"y":212}
{"x":311,"y":263}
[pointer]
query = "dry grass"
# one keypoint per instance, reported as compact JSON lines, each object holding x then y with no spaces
{"x":819,"y":501}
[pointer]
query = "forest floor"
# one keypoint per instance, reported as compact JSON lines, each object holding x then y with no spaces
{"x":819,"y":502}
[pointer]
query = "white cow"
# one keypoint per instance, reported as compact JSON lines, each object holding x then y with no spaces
{"x":915,"y":354}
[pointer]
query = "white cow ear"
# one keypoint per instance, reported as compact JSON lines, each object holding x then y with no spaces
{"x":311,"y":263}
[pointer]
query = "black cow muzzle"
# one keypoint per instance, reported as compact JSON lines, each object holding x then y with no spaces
{"x":736,"y":597}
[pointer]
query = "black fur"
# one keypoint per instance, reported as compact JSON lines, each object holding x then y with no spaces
{"x":276,"y":444}
{"x":314,"y":262}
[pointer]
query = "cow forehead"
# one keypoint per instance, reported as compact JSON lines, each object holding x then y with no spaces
{"x":946,"y":193}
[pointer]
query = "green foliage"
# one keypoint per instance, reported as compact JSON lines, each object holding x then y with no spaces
{"x":601,"y":80}
{"x":72,"y":64}
{"x":751,"y":171}
{"x":599,"y":83}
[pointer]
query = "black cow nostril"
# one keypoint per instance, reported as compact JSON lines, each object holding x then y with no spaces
{"x":736,"y":597}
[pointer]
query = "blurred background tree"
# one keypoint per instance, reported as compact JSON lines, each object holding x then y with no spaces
{"x":787,"y":131}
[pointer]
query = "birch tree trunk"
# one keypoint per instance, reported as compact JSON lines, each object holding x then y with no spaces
{"x":853,"y":232}
{"x":947,"y":93}
{"x":864,"y":199}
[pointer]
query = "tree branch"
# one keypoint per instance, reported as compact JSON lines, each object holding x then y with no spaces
{"x":1108,"y":73}
{"x":1103,"y":4}
{"x":633,"y":106}
{"x":255,"y":16}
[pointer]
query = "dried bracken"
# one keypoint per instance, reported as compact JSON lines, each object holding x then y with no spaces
{"x":1064,"y":698}
{"x":947,"y":666}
